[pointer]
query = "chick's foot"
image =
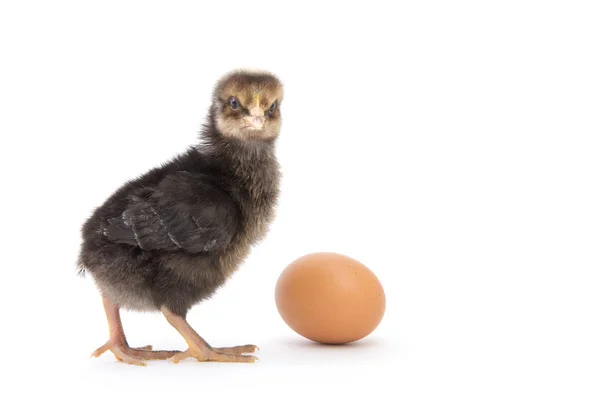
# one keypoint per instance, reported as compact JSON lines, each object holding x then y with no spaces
{"x":132,"y":355}
{"x":200,"y":349}
{"x":234,"y":354}
{"x":247,"y":348}
{"x":117,"y":343}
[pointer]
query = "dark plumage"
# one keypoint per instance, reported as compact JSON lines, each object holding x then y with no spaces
{"x":171,"y":237}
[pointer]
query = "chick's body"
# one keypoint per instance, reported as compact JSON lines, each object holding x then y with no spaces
{"x":170,"y":238}
{"x":235,"y":211}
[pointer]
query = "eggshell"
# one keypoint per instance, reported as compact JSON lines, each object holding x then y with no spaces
{"x":330,"y":298}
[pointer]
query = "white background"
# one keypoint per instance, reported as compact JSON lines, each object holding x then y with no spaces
{"x":450,"y":146}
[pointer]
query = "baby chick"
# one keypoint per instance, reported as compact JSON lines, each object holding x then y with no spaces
{"x":171,"y":237}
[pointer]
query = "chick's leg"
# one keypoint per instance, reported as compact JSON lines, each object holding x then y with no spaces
{"x":117,"y":343}
{"x":200,"y":349}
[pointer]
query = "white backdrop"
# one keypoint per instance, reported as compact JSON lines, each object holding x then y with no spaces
{"x":450,"y":146}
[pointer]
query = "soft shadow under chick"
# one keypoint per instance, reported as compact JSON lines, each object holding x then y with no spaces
{"x":170,"y":238}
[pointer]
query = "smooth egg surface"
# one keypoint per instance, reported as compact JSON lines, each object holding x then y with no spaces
{"x":330,"y":298}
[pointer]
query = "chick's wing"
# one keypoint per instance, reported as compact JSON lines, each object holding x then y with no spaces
{"x":184,"y":212}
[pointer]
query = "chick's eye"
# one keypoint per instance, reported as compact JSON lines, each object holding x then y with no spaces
{"x":234,"y":103}
{"x":273,"y":107}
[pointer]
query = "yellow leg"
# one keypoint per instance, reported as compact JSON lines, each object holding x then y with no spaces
{"x":200,"y":349}
{"x":117,"y":343}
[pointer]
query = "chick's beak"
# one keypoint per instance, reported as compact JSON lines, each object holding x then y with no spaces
{"x":256,"y":119}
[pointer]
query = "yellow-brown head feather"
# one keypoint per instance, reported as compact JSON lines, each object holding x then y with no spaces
{"x":246,"y":105}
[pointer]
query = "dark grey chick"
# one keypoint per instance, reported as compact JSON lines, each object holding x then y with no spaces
{"x":170,"y":238}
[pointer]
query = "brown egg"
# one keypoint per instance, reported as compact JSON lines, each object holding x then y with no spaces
{"x":330,"y":298}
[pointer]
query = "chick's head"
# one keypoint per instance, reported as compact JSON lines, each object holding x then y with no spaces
{"x":246,"y":105}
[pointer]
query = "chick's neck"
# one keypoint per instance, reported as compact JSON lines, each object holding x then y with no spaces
{"x":252,"y":163}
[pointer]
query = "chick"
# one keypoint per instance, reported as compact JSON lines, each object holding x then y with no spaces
{"x":170,"y":238}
